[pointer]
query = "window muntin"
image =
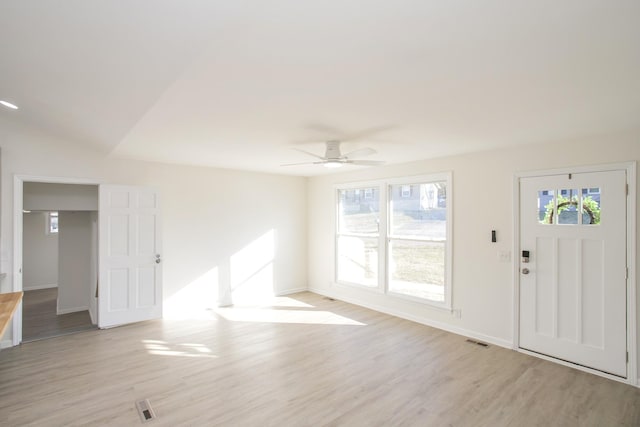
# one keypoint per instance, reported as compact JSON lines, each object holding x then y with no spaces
{"x":393,"y":237}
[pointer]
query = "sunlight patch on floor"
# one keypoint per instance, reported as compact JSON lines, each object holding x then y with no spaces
{"x":164,"y":348}
{"x":270,"y":315}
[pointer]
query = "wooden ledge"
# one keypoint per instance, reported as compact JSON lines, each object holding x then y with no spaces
{"x":8,"y":305}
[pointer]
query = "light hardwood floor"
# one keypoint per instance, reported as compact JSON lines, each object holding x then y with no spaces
{"x":40,"y":319}
{"x":301,"y":361}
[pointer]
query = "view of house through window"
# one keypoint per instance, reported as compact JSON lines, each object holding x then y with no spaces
{"x":417,"y":240}
{"x":392,"y":236}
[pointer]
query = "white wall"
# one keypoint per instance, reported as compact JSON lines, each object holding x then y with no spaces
{"x":55,"y":197}
{"x":40,"y":252}
{"x":483,"y":201}
{"x":74,"y":261}
{"x":209,"y":215}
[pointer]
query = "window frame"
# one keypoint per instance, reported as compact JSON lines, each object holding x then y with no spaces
{"x":384,"y":235}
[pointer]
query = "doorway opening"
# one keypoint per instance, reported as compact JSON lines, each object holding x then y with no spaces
{"x":56,"y":257}
{"x":59,"y":256}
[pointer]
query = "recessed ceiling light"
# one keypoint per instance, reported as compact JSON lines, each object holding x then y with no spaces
{"x":8,"y":104}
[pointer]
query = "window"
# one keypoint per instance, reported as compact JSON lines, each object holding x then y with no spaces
{"x":357,"y":239}
{"x":417,"y":242}
{"x":396,"y":241}
{"x":52,"y":223}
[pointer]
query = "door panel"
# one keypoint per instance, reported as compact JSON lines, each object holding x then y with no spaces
{"x":130,"y":286}
{"x":573,"y":296}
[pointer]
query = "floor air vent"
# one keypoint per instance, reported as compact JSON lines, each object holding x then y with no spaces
{"x":145,"y":411}
{"x":481,"y":344}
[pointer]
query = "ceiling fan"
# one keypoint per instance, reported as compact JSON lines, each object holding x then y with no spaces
{"x":333,"y":158}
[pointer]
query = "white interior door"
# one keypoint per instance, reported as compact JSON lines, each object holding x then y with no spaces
{"x":130,"y":284}
{"x":573,"y":289}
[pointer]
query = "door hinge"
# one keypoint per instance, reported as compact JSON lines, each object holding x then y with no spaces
{"x":627,"y":357}
{"x":626,"y":273}
{"x":627,"y":185}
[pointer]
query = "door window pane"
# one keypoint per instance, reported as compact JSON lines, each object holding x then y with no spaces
{"x":417,"y":268}
{"x":568,"y":201}
{"x":591,"y":206}
{"x":546,"y":206}
{"x":358,"y":260}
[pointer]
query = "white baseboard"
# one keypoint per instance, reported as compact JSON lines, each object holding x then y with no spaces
{"x":291,"y":291}
{"x":6,"y":344}
{"x":439,"y":325}
{"x":38,"y":287}
{"x":71,"y":310}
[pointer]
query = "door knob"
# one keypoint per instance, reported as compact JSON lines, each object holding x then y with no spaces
{"x":158,"y":260}
{"x":525,"y":271}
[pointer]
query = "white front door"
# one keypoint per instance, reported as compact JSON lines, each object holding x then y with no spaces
{"x":573,"y":287}
{"x":130,"y":283}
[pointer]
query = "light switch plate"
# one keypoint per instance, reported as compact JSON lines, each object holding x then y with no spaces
{"x":504,"y":256}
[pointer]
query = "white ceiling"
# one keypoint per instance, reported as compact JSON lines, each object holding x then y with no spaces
{"x":238,"y":84}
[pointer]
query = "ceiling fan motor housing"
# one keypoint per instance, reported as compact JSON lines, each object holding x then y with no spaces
{"x":333,"y":150}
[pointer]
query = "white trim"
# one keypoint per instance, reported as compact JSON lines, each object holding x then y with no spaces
{"x":17,"y":255}
{"x":515,"y":258}
{"x":39,"y":287}
{"x":6,"y":344}
{"x":18,"y":195}
{"x":352,"y":285}
{"x":290,"y":292}
{"x":632,"y":346}
{"x":71,"y":310}
{"x":434,"y":324}
{"x":630,"y":169}
{"x":577,"y":169}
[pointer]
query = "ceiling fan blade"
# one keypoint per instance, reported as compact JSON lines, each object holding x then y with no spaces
{"x":310,"y":154}
{"x":362,"y":152}
{"x":365,"y":162}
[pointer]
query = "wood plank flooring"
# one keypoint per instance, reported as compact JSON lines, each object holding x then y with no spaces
{"x":300,"y":361}
{"x":40,"y":319}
